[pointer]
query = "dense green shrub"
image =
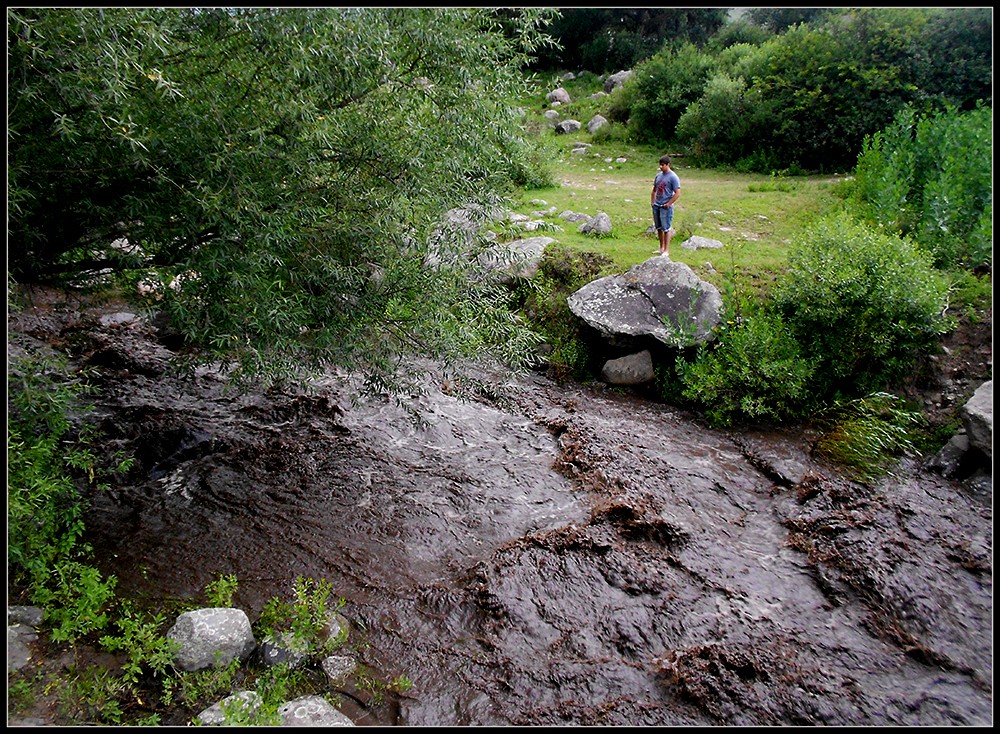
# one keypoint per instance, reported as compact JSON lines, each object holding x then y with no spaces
{"x":755,"y":371}
{"x":862,"y":305}
{"x":883,"y":176}
{"x":960,"y":69}
{"x":610,"y":133}
{"x":716,"y":128}
{"x":41,"y":504}
{"x":736,"y":60}
{"x":46,"y":557}
{"x":819,"y":88}
{"x":816,"y":98}
{"x":661,"y":89}
{"x":932,"y":178}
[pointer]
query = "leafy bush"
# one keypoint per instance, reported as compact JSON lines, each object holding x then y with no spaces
{"x":755,"y":371}
{"x":610,"y":133}
{"x":718,"y":127}
{"x":529,"y":166}
{"x":561,"y":271}
{"x":818,"y":89}
{"x":861,"y":304}
{"x":661,"y":89}
{"x":197,"y":687}
{"x":932,"y":178}
{"x":139,"y":638}
{"x":305,"y":617}
{"x":220,"y":591}
{"x":883,"y":177}
{"x":45,"y":555}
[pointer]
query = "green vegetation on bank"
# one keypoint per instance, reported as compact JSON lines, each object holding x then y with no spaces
{"x":931,"y":178}
{"x":49,"y":457}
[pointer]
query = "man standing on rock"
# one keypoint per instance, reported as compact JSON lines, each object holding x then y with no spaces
{"x":666,"y":190}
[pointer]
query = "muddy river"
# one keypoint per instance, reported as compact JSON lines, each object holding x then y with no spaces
{"x":535,"y":553}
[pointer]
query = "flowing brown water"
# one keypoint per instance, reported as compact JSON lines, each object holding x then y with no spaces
{"x":554,"y":554}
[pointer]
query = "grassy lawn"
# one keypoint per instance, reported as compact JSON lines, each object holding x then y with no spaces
{"x":755,"y":216}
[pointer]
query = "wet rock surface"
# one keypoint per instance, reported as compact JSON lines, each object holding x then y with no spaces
{"x":546,"y":553}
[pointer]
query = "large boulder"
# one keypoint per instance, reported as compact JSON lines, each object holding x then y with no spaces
{"x":657,"y":298}
{"x":977,"y":416}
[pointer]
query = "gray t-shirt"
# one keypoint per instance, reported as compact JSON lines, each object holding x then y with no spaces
{"x":665,"y":184}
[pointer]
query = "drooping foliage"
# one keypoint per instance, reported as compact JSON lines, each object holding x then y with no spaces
{"x":293,"y":164}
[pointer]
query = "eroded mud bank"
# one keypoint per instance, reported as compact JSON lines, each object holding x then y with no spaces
{"x":549,"y":554}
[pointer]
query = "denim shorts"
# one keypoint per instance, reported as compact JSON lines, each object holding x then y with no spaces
{"x":663,"y":216}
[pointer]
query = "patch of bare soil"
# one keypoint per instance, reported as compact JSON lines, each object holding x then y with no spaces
{"x":943,"y":382}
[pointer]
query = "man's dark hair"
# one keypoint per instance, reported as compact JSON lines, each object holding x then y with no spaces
{"x":665,"y":159}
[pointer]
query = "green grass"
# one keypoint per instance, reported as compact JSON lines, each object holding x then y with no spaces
{"x":755,"y":216}
{"x":756,"y":227}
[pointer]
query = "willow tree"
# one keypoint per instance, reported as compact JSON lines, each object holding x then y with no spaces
{"x":292,"y":166}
